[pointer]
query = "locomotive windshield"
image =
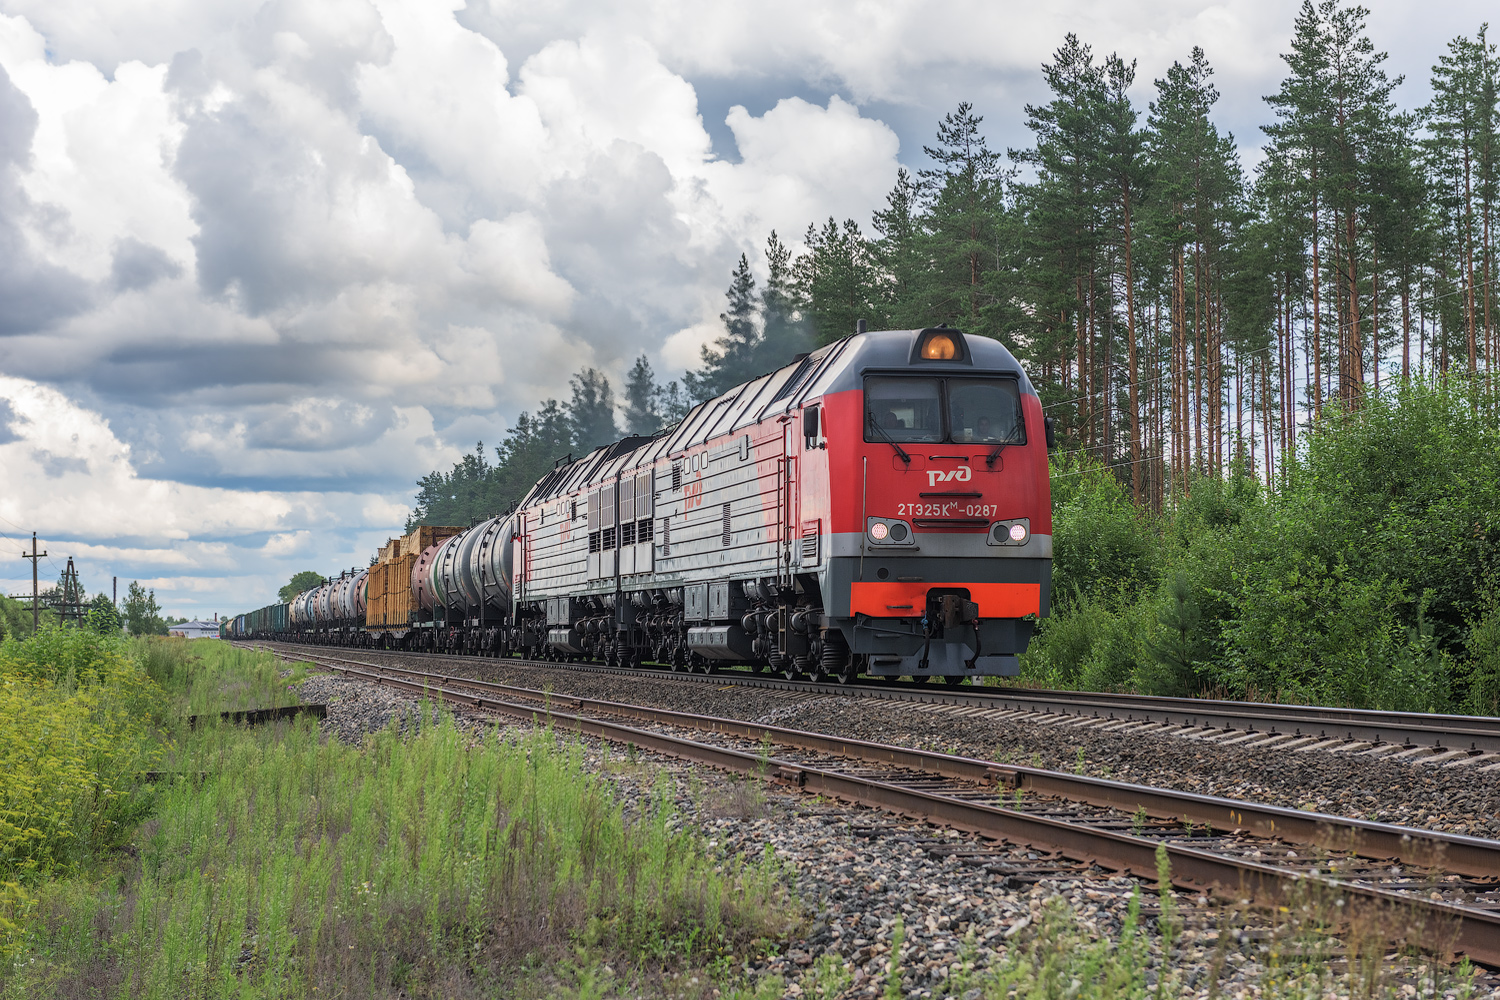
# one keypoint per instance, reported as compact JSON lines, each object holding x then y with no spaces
{"x":930,"y":410}
{"x":903,"y":409}
{"x":987,"y":411}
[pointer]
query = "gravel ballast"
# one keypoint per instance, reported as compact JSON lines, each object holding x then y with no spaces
{"x":1406,"y":792}
{"x":964,"y":903}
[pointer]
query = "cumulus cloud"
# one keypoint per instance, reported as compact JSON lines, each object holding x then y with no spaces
{"x":361,"y":205}
{"x":74,"y":482}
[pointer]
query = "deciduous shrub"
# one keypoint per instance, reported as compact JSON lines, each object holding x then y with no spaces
{"x":1361,"y":579}
{"x":78,"y":733}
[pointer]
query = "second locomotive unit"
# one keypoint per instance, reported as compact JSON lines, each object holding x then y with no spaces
{"x":878,"y":506}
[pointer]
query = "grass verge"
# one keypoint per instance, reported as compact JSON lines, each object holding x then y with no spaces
{"x":279,"y":864}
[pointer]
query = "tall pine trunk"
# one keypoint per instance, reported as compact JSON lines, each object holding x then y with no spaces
{"x":1136,"y":470}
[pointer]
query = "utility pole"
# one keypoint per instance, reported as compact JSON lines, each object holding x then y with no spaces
{"x":36,"y":604}
{"x":72,"y":596}
{"x":114,"y":592}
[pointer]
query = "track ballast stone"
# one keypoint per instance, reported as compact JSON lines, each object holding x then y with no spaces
{"x":1409,"y":793}
{"x":964,"y":903}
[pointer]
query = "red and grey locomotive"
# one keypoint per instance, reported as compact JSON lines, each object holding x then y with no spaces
{"x":878,"y":506}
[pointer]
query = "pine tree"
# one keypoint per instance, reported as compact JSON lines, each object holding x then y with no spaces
{"x":732,"y":358}
{"x":1194,"y":210}
{"x":1062,"y":208}
{"x":898,"y":253}
{"x":1337,"y":108}
{"x":642,"y":399}
{"x":836,"y":278}
{"x":1460,"y":152}
{"x":1124,"y":170}
{"x":784,"y":323}
{"x":965,"y":200}
{"x":673,"y":403}
{"x":591,"y":414}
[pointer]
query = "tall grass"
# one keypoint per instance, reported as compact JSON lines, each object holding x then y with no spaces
{"x":438,"y":864}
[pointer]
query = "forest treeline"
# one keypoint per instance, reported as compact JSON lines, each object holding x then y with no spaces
{"x":1175,"y":312}
{"x":1224,"y":352}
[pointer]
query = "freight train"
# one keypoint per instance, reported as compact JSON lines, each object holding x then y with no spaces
{"x":879,"y":506}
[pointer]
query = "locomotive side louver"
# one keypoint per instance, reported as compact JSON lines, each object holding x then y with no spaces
{"x":810,"y":536}
{"x":727,"y":536}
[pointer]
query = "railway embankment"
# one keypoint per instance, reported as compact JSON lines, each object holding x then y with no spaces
{"x":960,"y":913}
{"x":1449,"y":793}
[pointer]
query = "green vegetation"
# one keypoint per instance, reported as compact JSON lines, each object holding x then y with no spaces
{"x":1367,"y":578}
{"x":305,"y":580}
{"x":142,"y":613}
{"x":81,"y":721}
{"x":271,"y":862}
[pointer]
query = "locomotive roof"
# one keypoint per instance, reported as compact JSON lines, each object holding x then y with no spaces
{"x":834,"y":367}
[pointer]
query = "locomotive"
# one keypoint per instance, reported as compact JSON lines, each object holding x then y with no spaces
{"x":879,"y":506}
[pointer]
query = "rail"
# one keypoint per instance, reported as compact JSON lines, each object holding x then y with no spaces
{"x":1206,"y":838}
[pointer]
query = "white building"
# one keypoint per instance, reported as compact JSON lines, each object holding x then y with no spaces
{"x":195,"y":630}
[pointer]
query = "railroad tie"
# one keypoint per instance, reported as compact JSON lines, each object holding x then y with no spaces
{"x":1484,"y":758}
{"x":1320,"y":745}
{"x":1443,"y":757}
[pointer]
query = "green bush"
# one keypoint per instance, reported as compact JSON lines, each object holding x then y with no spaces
{"x":80,"y":729}
{"x":1360,"y":580}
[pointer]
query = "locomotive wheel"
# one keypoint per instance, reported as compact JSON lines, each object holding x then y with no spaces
{"x":954,"y":680}
{"x":848,"y":673}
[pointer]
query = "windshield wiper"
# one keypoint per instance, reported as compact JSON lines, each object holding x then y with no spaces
{"x":990,"y":461}
{"x":870,"y":420}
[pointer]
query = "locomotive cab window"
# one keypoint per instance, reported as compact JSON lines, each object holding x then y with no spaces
{"x":985,"y":411}
{"x":903,"y":409}
{"x":931,"y":410}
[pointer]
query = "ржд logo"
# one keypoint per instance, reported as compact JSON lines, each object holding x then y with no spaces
{"x":961,"y":474}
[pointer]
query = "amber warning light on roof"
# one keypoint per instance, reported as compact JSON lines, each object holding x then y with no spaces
{"x":939,"y":347}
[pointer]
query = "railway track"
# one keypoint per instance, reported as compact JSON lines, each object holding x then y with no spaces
{"x":1446,"y":886}
{"x":1445,"y":740}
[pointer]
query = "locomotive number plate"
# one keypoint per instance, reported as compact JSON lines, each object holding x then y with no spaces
{"x":951,"y":509}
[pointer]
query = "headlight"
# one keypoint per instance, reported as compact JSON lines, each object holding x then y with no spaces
{"x":1013,"y":532}
{"x":888,"y":531}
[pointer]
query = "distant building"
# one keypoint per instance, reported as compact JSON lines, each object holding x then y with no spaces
{"x":195,"y":630}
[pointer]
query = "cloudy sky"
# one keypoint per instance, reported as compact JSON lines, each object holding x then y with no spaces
{"x":262,"y":264}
